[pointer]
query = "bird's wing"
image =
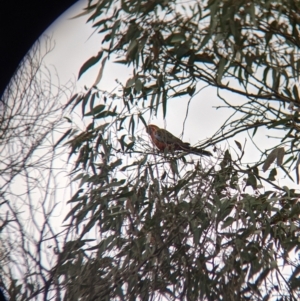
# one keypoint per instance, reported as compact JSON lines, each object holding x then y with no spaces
{"x":166,"y":137}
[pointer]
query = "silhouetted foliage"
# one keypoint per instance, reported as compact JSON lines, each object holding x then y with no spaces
{"x":171,"y":226}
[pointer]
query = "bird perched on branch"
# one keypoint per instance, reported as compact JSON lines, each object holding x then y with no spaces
{"x":164,"y":140}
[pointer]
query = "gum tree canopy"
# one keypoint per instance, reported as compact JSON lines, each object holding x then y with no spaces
{"x":172,"y":226}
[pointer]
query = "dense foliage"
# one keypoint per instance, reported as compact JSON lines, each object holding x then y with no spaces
{"x":171,"y":225}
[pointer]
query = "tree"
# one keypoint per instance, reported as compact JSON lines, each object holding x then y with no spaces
{"x":31,"y":120}
{"x":149,"y":225}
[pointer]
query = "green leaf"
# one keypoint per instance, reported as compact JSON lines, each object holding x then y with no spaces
{"x":254,"y":131}
{"x":68,"y":119}
{"x":105,"y":114}
{"x":92,"y":101}
{"x":251,"y":181}
{"x":296,"y":93}
{"x":71,"y":100}
{"x":287,"y":173}
{"x":196,"y":236}
{"x":297,"y":167}
{"x":100,"y":74}
{"x":143,"y":120}
{"x":275,"y":79}
{"x":115,"y":184}
{"x":62,"y":137}
{"x":139,"y":162}
{"x":78,"y":100}
{"x":280,"y":155}
{"x":132,"y":50}
{"x":138,"y":85}
{"x":181,"y":93}
{"x":84,"y":180}
{"x":90,"y":62}
{"x":85,"y":102}
{"x":130,"y":82}
{"x":272,"y":174}
{"x":96,"y":110}
{"x":205,"y":40}
{"x":277,"y":153}
{"x":228,"y":222}
{"x":191,"y":90}
{"x":221,"y":67}
{"x":164,"y":104}
{"x":174,"y":167}
{"x":73,"y":211}
{"x":225,"y":209}
{"x":123,"y":62}
{"x":238,"y":145}
{"x":176,"y":38}
{"x":132,"y":126}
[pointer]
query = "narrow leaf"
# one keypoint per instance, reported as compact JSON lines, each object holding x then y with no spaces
{"x":143,"y":120}
{"x":96,"y":110}
{"x":270,"y":159}
{"x":228,"y":222}
{"x":238,"y":145}
{"x":62,"y":138}
{"x":254,"y":131}
{"x":105,"y":114}
{"x":280,"y":155}
{"x":71,"y":100}
{"x":298,"y":169}
{"x":97,"y":81}
{"x":287,"y":173}
{"x":89,"y":63}
{"x":221,"y":67}
{"x":296,"y":93}
{"x":164,"y":103}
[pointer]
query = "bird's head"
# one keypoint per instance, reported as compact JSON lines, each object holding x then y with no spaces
{"x":151,"y":128}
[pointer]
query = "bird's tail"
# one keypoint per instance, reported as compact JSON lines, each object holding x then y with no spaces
{"x":198,"y":151}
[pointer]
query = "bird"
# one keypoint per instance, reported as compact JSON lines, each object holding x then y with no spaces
{"x":164,"y":140}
